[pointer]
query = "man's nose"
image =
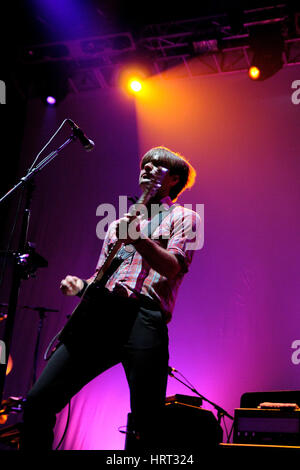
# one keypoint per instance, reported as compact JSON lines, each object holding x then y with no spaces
{"x":148,"y":166}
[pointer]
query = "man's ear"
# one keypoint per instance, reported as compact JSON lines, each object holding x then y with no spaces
{"x":174,"y":179}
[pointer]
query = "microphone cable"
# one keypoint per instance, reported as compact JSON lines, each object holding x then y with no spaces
{"x":46,"y":145}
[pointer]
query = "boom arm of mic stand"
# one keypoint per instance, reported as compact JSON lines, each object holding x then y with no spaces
{"x":221,"y":412}
{"x":16,"y":278}
{"x":38,"y":168}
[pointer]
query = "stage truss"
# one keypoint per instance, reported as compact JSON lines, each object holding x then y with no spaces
{"x":183,"y":49}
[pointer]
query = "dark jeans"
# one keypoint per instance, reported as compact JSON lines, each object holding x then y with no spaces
{"x":133,"y":335}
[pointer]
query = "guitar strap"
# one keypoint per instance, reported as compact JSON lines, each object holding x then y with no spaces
{"x":129,"y":250}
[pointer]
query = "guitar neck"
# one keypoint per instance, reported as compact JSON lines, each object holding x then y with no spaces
{"x":112,"y":253}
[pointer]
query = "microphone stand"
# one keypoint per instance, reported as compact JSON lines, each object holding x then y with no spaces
{"x":25,"y":261}
{"x":39,"y":167}
{"x":220,"y":411}
{"x":42,"y":315}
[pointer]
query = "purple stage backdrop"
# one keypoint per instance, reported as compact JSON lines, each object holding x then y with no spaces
{"x":237,"y":314}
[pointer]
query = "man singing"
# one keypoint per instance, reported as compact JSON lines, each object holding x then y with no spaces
{"x":128,"y":323}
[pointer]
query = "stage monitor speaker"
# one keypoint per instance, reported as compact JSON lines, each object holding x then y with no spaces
{"x":253,"y":399}
{"x":183,"y":427}
{"x":275,"y":422}
{"x":266,"y":426}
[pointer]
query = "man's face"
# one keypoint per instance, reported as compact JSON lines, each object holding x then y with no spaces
{"x":147,"y":174}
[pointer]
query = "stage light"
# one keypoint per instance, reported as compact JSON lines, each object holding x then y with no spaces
{"x":133,"y":71}
{"x":51,"y":100}
{"x":52,"y":85}
{"x":267,"y":46}
{"x":254,"y":72}
{"x":135,"y":85}
{"x":132,"y":80}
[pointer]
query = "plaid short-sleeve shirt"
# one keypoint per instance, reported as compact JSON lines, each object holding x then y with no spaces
{"x":177,"y":233}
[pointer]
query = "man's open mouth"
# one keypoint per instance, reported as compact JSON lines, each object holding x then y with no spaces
{"x":146,"y":177}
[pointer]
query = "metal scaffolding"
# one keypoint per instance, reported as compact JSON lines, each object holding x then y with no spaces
{"x":197,"y":47}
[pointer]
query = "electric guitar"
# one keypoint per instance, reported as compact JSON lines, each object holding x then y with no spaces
{"x":93,"y":291}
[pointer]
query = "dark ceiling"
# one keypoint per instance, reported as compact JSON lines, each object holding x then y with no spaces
{"x":38,"y":21}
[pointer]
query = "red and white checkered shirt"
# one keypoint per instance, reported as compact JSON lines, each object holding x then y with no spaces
{"x":177,"y":233}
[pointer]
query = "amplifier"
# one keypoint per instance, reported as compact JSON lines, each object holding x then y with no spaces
{"x":185,"y":400}
{"x":266,"y":426}
{"x":183,"y":427}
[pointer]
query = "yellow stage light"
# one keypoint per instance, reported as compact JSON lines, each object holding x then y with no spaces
{"x":254,"y":72}
{"x":135,"y":85}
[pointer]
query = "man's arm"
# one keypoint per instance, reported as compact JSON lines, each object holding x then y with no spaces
{"x":160,"y":259}
{"x":167,"y":261}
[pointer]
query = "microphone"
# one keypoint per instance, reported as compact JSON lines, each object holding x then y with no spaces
{"x":87,"y":143}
